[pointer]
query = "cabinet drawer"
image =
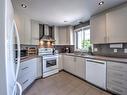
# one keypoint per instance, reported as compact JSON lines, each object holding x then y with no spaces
{"x":116,"y":89}
{"x":117,"y":74}
{"x":117,"y":66}
{"x":117,"y":82}
{"x":26,"y":80}
{"x":23,"y":71}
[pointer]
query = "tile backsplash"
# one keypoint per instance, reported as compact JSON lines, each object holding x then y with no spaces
{"x":62,"y":48}
{"x":105,"y":50}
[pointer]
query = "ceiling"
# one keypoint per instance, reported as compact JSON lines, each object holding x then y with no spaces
{"x":55,"y":12}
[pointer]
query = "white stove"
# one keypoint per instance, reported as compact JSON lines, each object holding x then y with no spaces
{"x":50,"y":61}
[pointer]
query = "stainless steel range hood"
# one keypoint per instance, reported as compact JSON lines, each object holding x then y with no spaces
{"x":46,"y":34}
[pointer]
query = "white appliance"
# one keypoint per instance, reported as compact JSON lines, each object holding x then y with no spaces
{"x":9,"y":69}
{"x":50,"y":62}
{"x":96,"y":72}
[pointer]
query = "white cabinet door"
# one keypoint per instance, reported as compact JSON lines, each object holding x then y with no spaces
{"x":69,"y":64}
{"x":24,"y":27}
{"x":117,"y":25}
{"x":38,"y":67}
{"x":27,"y":73}
{"x":35,"y":32}
{"x":60,"y":62}
{"x":64,"y":35}
{"x":80,"y":67}
{"x":98,"y":29}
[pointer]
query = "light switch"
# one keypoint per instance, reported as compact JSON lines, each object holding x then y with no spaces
{"x":115,"y":50}
{"x":125,"y":50}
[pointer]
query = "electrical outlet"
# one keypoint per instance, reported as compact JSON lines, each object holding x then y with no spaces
{"x":125,"y":50}
{"x":95,"y":49}
{"x":115,"y":50}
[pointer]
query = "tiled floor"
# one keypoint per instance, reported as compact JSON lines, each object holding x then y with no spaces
{"x":63,"y":84}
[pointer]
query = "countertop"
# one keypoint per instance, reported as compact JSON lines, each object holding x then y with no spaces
{"x":28,"y":58}
{"x":123,"y":60}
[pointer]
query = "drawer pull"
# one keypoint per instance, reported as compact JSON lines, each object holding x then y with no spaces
{"x":96,"y":62}
{"x":116,"y":89}
{"x":117,"y":82}
{"x":25,"y":81}
{"x":25,"y":68}
{"x":118,"y":74}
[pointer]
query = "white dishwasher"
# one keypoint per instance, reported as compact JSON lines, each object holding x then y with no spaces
{"x":96,"y":72}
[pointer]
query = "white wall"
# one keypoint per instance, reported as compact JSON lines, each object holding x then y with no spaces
{"x":3,"y":90}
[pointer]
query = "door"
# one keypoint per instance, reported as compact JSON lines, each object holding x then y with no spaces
{"x":98,"y":29}
{"x":117,"y":25}
{"x":69,"y":64}
{"x":80,"y":67}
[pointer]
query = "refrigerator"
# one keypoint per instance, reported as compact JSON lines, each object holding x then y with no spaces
{"x":9,"y":68}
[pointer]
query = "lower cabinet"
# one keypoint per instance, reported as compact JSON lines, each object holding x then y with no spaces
{"x":60,"y":62}
{"x":117,"y":77}
{"x":75,"y":65}
{"x":80,"y":67}
{"x":27,"y":72}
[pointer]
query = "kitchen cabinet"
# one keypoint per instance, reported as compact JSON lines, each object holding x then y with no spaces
{"x":35,"y":32}
{"x":24,"y":27}
{"x":38,"y":67}
{"x":69,"y":64}
{"x":60,"y":62}
{"x":75,"y":65}
{"x":80,"y":67}
{"x":117,"y":77}
{"x":98,"y":29}
{"x":109,"y":27}
{"x":116,"y":25}
{"x":64,"y":35}
{"x":27,"y":73}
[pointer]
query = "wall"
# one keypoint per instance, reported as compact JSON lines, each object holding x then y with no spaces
{"x":62,"y":48}
{"x":105,"y":50}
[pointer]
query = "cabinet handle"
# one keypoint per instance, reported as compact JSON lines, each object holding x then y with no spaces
{"x":118,"y":74}
{"x":25,"y":68}
{"x":116,"y":89}
{"x":95,"y":62}
{"x":25,"y":81}
{"x":117,"y":82}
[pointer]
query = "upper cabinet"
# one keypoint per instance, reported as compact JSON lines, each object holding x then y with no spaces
{"x":24,"y":28}
{"x":110,"y":27}
{"x":117,"y":25}
{"x":64,"y":35}
{"x":98,"y":29}
{"x":34,"y":32}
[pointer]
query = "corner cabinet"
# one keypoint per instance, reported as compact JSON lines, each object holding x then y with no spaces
{"x":64,"y":35}
{"x":117,"y":25}
{"x":27,"y":73}
{"x":98,"y":29}
{"x":75,"y":65}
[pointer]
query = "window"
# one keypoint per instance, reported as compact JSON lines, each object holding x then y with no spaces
{"x":82,"y":38}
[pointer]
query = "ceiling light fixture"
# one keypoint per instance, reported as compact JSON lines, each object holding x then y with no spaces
{"x":101,"y":3}
{"x":23,"y":5}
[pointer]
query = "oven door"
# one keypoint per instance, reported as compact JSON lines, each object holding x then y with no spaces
{"x":50,"y":64}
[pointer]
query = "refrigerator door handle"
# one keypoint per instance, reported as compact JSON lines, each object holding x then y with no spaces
{"x":18,"y":49}
{"x":20,"y":87}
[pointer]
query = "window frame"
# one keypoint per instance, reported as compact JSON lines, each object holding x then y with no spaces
{"x":76,"y":37}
